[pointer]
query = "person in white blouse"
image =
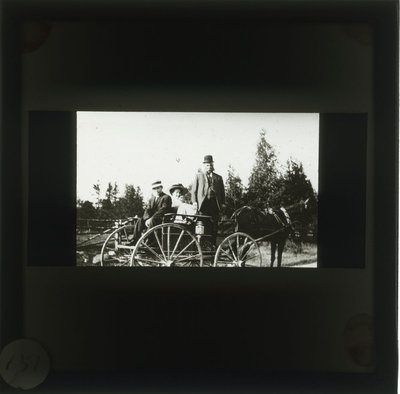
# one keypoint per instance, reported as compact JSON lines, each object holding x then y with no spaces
{"x":179,"y":205}
{"x":177,"y":195}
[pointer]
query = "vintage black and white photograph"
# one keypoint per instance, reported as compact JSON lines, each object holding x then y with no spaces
{"x":202,"y":196}
{"x":168,"y":189}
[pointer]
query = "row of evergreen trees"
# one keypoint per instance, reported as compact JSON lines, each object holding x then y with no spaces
{"x":112,"y":206}
{"x":268,"y":186}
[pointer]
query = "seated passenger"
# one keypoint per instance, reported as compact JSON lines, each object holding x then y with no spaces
{"x":177,"y":194}
{"x":158,"y":205}
{"x":179,"y":205}
{"x":185,"y":209}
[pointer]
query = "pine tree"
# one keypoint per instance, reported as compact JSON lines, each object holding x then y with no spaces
{"x":264,"y":180}
{"x":295,"y":184}
{"x":107,"y":211}
{"x":86,"y":210}
{"x":234,"y":190}
{"x":131,"y":203}
{"x":96,"y":188}
{"x":296,"y":187}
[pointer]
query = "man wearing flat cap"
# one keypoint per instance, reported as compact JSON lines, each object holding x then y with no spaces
{"x":208,"y":193}
{"x":158,"y":205}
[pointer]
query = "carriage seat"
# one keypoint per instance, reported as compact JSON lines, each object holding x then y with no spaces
{"x":182,"y":214}
{"x":188,"y":220}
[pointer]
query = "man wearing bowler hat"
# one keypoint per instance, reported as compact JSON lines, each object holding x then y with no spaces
{"x":158,"y":205}
{"x":208,"y":193}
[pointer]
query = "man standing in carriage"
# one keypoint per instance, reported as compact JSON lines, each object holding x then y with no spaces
{"x":208,"y":194}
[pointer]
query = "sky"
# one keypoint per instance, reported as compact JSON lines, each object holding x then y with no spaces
{"x":140,"y":148}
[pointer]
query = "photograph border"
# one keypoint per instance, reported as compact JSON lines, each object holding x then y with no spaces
{"x":383,"y":16}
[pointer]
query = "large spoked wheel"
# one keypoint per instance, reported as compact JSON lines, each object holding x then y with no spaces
{"x":167,"y":245}
{"x":118,"y":247}
{"x":238,"y":250}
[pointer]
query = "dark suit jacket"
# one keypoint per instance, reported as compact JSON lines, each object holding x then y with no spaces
{"x":157,"y":207}
{"x":200,"y":189}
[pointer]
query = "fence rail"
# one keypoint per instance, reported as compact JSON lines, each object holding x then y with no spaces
{"x":94,"y":226}
{"x":91,"y":226}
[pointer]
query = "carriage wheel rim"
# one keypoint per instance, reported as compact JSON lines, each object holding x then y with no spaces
{"x":237,"y":259}
{"x":172,"y":255}
{"x":110,"y":237}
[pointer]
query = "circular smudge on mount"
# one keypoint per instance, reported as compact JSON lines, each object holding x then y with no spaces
{"x":24,"y":364}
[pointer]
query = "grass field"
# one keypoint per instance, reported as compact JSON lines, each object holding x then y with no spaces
{"x":301,"y":254}
{"x":293,"y":254}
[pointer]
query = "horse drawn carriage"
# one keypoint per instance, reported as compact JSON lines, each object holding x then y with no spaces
{"x":186,"y":241}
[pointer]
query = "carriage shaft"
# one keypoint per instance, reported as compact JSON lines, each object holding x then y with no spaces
{"x":264,"y":237}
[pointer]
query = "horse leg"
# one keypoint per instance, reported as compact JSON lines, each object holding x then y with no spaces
{"x":273,"y":250}
{"x":281,"y":245}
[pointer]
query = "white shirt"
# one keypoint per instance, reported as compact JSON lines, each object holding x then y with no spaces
{"x":184,"y":209}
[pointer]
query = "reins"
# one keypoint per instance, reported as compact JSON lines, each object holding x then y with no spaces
{"x":271,"y":234}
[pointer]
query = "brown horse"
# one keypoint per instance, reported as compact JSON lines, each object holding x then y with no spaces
{"x":272,"y":224}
